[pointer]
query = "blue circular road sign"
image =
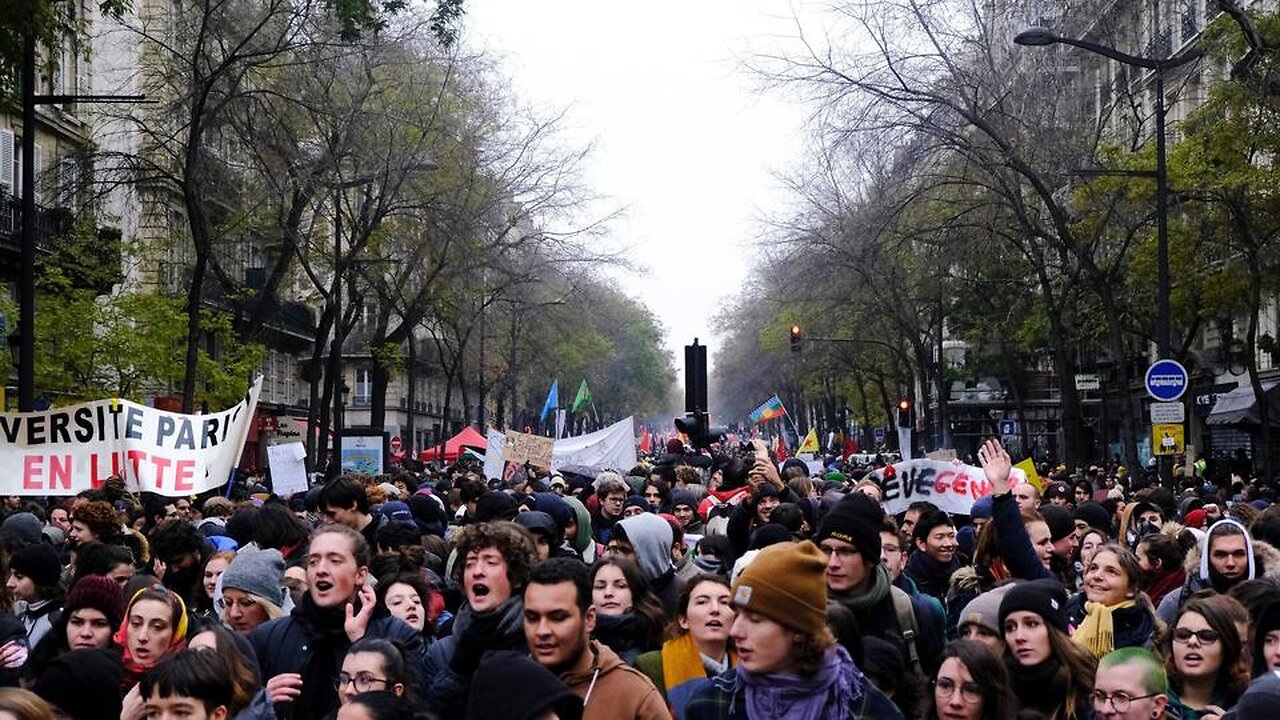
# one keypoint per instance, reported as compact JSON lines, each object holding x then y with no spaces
{"x":1166,"y":380}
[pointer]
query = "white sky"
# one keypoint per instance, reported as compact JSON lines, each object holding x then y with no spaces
{"x":684,"y":138}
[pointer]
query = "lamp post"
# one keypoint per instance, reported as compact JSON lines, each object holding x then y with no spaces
{"x":1039,"y":37}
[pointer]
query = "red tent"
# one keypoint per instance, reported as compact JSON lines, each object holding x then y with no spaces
{"x":454,"y":445}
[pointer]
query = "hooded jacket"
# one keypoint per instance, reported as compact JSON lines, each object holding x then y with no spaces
{"x":651,"y":539}
{"x":445,"y":690}
{"x":584,"y":543}
{"x":1197,"y":566}
{"x":612,"y":690}
{"x":511,"y":686}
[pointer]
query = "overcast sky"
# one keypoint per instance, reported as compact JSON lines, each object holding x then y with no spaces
{"x":684,"y":138}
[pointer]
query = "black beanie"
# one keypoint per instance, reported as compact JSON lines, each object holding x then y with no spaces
{"x":1046,"y":598}
{"x":84,"y":684}
{"x":769,"y":534}
{"x":1095,"y":515}
{"x":856,"y":519}
{"x":495,"y":505}
{"x":39,"y":562}
{"x":1059,"y":521}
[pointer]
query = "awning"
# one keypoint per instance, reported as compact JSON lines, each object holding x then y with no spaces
{"x":1240,"y":406}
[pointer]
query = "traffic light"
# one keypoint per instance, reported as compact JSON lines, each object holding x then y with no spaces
{"x":797,"y":338}
{"x":697,"y":426}
{"x":904,"y":413}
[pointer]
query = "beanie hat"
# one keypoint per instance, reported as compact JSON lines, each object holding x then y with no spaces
{"x":786,"y":583}
{"x":257,"y":572}
{"x":1268,"y":620}
{"x":635,"y":501}
{"x":84,"y":683}
{"x":1196,"y":519}
{"x":882,"y":659}
{"x":1059,"y":521}
{"x":984,"y":611}
{"x":683,"y":497}
{"x":97,"y":592}
{"x":1046,"y":598}
{"x":768,"y":534}
{"x":1259,"y":701}
{"x":397,"y":510}
{"x":22,"y":527}
{"x":1094,"y":515}
{"x":1057,"y":489}
{"x":495,"y":505}
{"x":539,"y":523}
{"x":39,"y":562}
{"x":856,"y":519}
{"x":983,"y":507}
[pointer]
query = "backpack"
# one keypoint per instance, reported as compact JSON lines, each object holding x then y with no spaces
{"x":906,"y":616}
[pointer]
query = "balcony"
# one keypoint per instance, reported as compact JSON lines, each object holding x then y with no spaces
{"x":51,"y":223}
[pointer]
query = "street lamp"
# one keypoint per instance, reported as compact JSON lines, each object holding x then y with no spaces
{"x":1040,"y":37}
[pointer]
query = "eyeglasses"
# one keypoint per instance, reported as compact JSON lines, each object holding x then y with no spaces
{"x":363,"y":681}
{"x":969,"y":692}
{"x":1120,"y":701}
{"x":1205,"y":637}
{"x":844,"y":553}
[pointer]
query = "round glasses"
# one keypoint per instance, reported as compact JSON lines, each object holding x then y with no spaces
{"x":1120,"y":701}
{"x":364,"y":682}
{"x":970,"y":692}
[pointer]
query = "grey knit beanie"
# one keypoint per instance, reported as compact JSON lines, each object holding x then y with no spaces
{"x":257,"y":572}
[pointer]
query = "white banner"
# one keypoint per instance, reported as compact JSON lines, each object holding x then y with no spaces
{"x":64,"y":451}
{"x":612,"y":447}
{"x":288,"y":465}
{"x":952,"y":486}
{"x":493,"y":462}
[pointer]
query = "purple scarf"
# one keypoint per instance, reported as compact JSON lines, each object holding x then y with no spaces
{"x":827,"y":695}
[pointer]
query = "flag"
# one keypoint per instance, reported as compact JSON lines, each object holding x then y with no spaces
{"x":780,"y":448}
{"x":1028,"y":466}
{"x":583,"y":397}
{"x":810,"y":444}
{"x":768,"y":410}
{"x":553,"y":400}
{"x":646,"y":440}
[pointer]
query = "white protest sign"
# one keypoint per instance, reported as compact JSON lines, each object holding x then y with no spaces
{"x":288,"y":468}
{"x":951,"y":486}
{"x":612,"y":447}
{"x":493,"y":462}
{"x":63,"y":451}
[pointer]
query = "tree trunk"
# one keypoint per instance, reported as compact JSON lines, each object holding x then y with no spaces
{"x":1251,"y":353}
{"x":193,"y":330}
{"x":380,"y":373}
{"x":314,"y":438}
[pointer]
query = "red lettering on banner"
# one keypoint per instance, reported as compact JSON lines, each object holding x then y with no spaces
{"x":961,"y":485}
{"x":31,"y":472}
{"x":136,"y":457}
{"x":161,"y":463}
{"x":60,"y":472}
{"x":184,"y":471}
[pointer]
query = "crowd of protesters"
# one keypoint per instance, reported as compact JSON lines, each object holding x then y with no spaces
{"x":696,"y":585}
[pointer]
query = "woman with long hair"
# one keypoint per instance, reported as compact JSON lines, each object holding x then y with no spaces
{"x":21,"y":704}
{"x":789,"y":664}
{"x":406,"y":596}
{"x":154,"y":627}
{"x":697,"y":646}
{"x":235,"y":652}
{"x":1051,"y":674}
{"x":1161,"y":557}
{"x":1112,"y":611}
{"x":374,"y":664}
{"x":1204,"y":656}
{"x":629,"y":618}
{"x":972,"y":684}
{"x":213,"y":569}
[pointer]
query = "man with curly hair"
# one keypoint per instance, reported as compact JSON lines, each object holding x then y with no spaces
{"x":496,"y":561}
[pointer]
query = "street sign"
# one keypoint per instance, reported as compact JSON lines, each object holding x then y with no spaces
{"x":1008,"y":427}
{"x":1162,"y":413}
{"x":1166,"y":380}
{"x":396,"y":444}
{"x":1167,"y":439}
{"x":879,"y":434}
{"x":1088,"y":381}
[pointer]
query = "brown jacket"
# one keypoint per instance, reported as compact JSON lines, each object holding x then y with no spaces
{"x":620,"y":691}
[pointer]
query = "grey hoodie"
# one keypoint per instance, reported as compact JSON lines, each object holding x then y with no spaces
{"x":651,"y":539}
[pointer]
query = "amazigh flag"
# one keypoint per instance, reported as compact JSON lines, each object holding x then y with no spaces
{"x":768,"y":410}
{"x":553,"y":400}
{"x":583,"y":397}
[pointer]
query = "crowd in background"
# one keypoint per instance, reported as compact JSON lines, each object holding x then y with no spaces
{"x":696,"y":585}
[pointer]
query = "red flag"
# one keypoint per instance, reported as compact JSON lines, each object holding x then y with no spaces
{"x":646,"y":440}
{"x":780,"y":449}
{"x":850,"y":446}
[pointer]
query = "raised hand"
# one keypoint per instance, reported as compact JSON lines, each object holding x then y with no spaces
{"x":996,"y":465}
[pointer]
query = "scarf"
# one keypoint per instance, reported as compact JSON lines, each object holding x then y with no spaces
{"x":327,"y":645}
{"x":1097,"y":633}
{"x":827,"y":695}
{"x":877,"y":593}
{"x":682,"y":662}
{"x":1159,"y":584}
{"x":133,"y":670}
{"x":619,"y":632}
{"x":1038,"y":687}
{"x":931,"y":576}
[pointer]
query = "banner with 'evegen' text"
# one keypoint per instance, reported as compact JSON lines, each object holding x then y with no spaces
{"x":952,"y":486}
{"x":64,"y":451}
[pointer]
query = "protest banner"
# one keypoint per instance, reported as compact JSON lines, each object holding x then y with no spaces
{"x":952,"y":486}
{"x":64,"y":451}
{"x":288,"y":463}
{"x":521,"y":448}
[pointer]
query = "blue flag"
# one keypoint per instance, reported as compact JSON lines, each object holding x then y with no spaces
{"x":553,"y":400}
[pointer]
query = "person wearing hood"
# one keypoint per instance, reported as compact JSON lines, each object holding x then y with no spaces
{"x":1226,"y":561}
{"x":35,"y":573}
{"x":495,"y":561}
{"x":83,"y":684}
{"x":511,"y":686}
{"x":1161,"y":556}
{"x":646,"y":540}
{"x":558,"y":620}
{"x":577,"y":531}
{"x":547,"y":535}
{"x":428,"y":514}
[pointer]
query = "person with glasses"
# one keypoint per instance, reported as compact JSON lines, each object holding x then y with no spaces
{"x":1203,"y":650}
{"x":373,"y":664}
{"x":972,"y":684}
{"x":611,"y":493}
{"x":1131,"y":684}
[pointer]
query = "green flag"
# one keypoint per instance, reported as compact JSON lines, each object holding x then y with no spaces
{"x":583,"y":397}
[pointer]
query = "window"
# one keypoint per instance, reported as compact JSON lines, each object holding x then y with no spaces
{"x":364,"y":387}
